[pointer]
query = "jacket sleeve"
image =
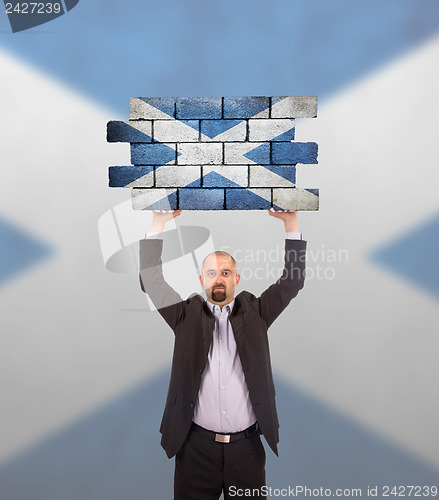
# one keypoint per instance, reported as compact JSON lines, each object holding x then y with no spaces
{"x":277,"y":297}
{"x":167,"y":301}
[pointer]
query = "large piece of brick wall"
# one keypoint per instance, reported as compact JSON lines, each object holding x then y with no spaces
{"x":215,"y":153}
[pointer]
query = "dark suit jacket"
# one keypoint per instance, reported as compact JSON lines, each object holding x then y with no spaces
{"x":193,"y":324}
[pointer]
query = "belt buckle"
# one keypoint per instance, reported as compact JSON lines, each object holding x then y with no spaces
{"x":222,"y":438}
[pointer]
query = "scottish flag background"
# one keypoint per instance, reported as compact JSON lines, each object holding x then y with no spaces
{"x":84,"y":364}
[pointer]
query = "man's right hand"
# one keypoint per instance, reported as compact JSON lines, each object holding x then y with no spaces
{"x":160,"y":218}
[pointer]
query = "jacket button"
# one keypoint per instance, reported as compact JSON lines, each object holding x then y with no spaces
{"x":201,"y":370}
{"x":191,"y":405}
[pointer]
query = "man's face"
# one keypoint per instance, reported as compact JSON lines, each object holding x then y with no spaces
{"x":219,"y":279}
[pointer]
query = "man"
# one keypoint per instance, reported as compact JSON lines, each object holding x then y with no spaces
{"x":221,"y":394}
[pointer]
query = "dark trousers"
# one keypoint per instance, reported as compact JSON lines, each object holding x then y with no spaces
{"x":204,"y":468}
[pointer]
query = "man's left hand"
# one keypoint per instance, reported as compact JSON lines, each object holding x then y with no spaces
{"x":288,"y":217}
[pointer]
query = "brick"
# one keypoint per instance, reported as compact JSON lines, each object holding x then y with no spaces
{"x":193,"y":108}
{"x":294,"y":107}
{"x":295,"y":199}
{"x":248,"y":199}
{"x":254,"y":153}
{"x":223,"y":130}
{"x":152,"y":108}
{"x":287,"y":153}
{"x":177,"y":131}
{"x":200,"y":153}
{"x":272,"y":176}
{"x":225,"y":176}
{"x":271,"y":130}
{"x":178,"y":176}
{"x":131,"y":176}
{"x":131,"y":131}
{"x":153,"y":154}
{"x":154,"y":199}
{"x":246,"y":107}
{"x":201,"y":199}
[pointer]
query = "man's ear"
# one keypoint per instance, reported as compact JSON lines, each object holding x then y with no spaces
{"x":201,"y":280}
{"x":237,"y":278}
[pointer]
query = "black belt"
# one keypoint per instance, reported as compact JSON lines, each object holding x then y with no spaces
{"x":225,"y":438}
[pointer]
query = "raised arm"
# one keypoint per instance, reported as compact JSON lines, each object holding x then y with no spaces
{"x":288,"y":217}
{"x":160,"y":218}
{"x":167,"y":301}
{"x":277,"y":297}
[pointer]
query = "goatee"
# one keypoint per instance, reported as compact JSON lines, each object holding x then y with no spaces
{"x":219,"y":295}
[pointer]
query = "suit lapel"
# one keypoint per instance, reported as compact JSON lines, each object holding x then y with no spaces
{"x":208,"y":324}
{"x":236,"y":320}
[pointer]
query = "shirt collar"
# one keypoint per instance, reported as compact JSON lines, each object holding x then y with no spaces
{"x":229,"y":305}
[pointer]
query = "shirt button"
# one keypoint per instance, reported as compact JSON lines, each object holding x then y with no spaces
{"x":222,"y":364}
{"x":224,"y":412}
{"x":222,"y":387}
{"x":222,"y":340}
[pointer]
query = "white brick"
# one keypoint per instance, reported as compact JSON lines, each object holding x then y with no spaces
{"x":268,"y":129}
{"x":176,"y":131}
{"x":200,"y":154}
{"x":177,"y":176}
{"x":295,"y":199}
{"x":140,"y":108}
{"x":294,"y":107}
{"x":263,"y":177}
{"x":143,"y":198}
{"x":234,"y":153}
{"x":143,"y":126}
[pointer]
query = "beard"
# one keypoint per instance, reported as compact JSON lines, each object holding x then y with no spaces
{"x":219,"y":295}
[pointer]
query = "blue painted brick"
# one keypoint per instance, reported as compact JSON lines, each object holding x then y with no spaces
{"x":193,"y":108}
{"x":244,"y":199}
{"x":118,"y":131}
{"x":294,"y":152}
{"x":152,"y":154}
{"x":246,"y":107}
{"x":260,"y":154}
{"x":201,"y":199}
{"x":122,"y":176}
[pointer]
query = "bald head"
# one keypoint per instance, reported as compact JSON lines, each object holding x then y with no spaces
{"x":219,"y":277}
{"x":219,"y":253}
